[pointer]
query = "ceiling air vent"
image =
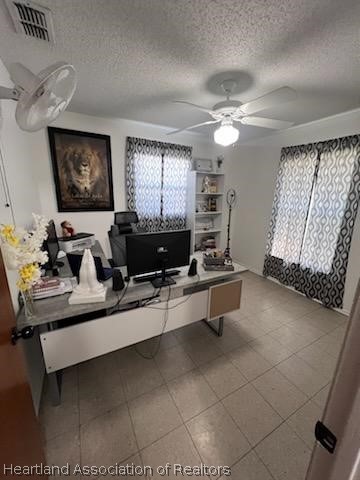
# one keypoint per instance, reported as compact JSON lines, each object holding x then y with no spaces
{"x":31,"y":19}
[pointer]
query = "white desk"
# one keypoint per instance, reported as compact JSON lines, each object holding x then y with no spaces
{"x":71,"y":334}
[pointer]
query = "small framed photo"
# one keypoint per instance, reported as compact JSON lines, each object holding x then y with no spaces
{"x":82,"y":170}
{"x":201,"y":206}
{"x":203,"y":165}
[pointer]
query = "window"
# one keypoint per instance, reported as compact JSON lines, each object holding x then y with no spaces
{"x":294,"y":184}
{"x":156,"y":183}
{"x":315,"y":204}
{"x":330,"y":194}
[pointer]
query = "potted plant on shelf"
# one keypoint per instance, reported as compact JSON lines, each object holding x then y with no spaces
{"x":219,"y":162}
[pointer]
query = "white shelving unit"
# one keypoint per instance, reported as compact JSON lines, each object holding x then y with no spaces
{"x":207,"y":194}
{"x":205,"y":232}
{"x":204,"y":223}
{"x":206,"y":214}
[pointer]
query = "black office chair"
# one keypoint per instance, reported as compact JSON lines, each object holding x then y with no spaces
{"x":124,"y":224}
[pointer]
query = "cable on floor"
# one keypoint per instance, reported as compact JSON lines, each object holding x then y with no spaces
{"x":159,"y":337}
{"x":166,"y":317}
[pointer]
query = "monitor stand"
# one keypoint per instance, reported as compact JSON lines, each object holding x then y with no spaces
{"x":151,"y":276}
{"x":162,"y":281}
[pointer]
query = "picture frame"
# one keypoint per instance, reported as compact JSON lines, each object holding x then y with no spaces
{"x":204,"y":165}
{"x":82,"y":170}
{"x":201,"y":206}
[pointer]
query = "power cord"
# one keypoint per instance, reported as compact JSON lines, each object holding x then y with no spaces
{"x":166,"y":313}
{"x":152,"y":355}
{"x":120,"y":298}
{"x":155,"y":294}
{"x":166,"y":317}
{"x":179,"y":303}
{"x":135,"y":304}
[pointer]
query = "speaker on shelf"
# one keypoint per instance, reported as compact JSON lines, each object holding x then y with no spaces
{"x":118,"y":281}
{"x":193,"y":268}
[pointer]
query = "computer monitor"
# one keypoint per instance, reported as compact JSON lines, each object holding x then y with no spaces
{"x":125,"y":218}
{"x":51,"y":245}
{"x":151,"y":252}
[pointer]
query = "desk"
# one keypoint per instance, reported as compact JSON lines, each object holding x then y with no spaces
{"x":70,"y":334}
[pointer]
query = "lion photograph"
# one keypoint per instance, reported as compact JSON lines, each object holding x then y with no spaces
{"x":82,"y":170}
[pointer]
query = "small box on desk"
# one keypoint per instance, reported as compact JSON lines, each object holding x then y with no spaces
{"x":77,"y":242}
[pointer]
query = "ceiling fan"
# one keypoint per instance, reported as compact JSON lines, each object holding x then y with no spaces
{"x":229,"y":112}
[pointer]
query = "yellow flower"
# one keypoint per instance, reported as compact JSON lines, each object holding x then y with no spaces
{"x":27,"y":274}
{"x":22,"y":285}
{"x":7,"y":232}
{"x":14,"y":241}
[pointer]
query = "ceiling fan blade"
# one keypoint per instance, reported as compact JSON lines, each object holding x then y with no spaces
{"x":199,"y":107}
{"x":271,"y":99}
{"x":265,"y":122}
{"x":193,"y":126}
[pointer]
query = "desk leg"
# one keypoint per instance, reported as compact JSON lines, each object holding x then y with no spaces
{"x":54,"y":380}
{"x":219,"y":330}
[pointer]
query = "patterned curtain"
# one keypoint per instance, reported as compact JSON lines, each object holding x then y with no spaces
{"x":314,"y":210}
{"x":156,"y":179}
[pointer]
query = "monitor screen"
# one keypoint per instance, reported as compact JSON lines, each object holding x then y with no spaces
{"x":149,"y":252}
{"x":51,"y":244}
{"x":121,"y":218}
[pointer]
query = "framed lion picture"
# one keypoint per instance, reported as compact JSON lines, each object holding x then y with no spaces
{"x":82,"y":170}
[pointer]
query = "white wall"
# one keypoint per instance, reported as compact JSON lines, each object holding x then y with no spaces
{"x":254,"y":167}
{"x":17,"y":151}
{"x":251,"y":171}
{"x":18,"y":160}
{"x":118,"y":129}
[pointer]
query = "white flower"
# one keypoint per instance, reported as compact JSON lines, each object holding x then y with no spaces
{"x":22,"y":248}
{"x":10,"y":256}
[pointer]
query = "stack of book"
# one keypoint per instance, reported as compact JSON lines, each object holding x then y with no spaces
{"x":208,"y":243}
{"x":51,"y":286}
{"x":217,"y":261}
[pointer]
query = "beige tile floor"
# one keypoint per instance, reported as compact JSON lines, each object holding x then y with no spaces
{"x":248,"y":400}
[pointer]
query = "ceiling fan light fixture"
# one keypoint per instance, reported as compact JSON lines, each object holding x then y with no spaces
{"x":229,"y":111}
{"x":226,"y":134}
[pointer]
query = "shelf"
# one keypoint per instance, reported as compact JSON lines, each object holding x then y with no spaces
{"x":205,"y":214}
{"x":212,"y":230}
{"x":209,"y":194}
{"x":208,"y":173}
{"x":199,"y":200}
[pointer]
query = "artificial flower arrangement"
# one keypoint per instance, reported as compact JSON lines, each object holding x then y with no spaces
{"x":22,"y":251}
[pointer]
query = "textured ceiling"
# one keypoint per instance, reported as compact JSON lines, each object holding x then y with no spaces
{"x":134,"y":56}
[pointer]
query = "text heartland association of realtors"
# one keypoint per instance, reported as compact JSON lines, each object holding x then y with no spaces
{"x":116,"y":470}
